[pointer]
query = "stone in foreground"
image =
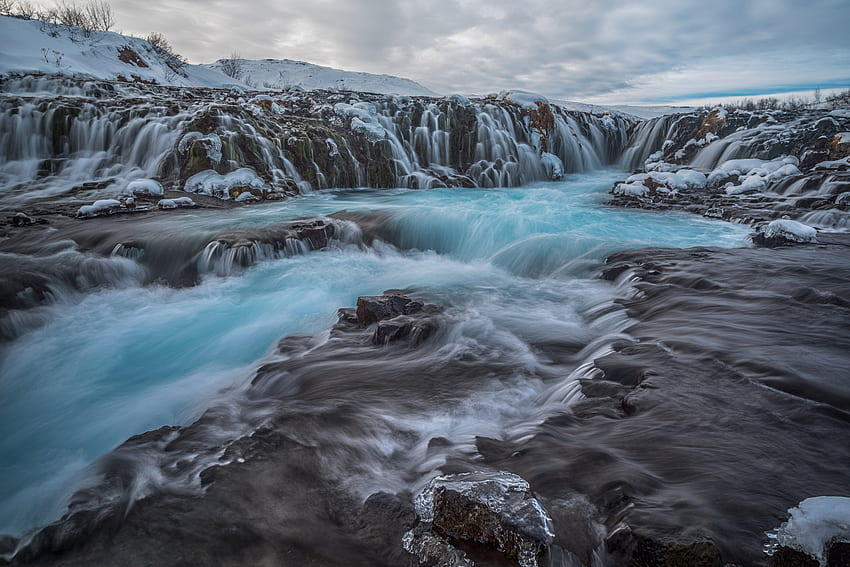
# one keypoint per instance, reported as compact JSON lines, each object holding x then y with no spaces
{"x":497,"y":510}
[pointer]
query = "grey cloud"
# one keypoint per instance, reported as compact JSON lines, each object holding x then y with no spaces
{"x":568,"y":49}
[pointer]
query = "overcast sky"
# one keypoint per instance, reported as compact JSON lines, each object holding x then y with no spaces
{"x":606,"y":52}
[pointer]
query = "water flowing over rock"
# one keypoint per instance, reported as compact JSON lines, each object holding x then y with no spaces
{"x":91,"y":140}
{"x":756,"y":166}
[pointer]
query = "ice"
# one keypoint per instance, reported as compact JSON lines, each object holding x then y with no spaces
{"x":791,"y":229}
{"x":814,"y":523}
{"x":175,"y":203}
{"x":364,"y":119}
{"x":757,"y":174}
{"x":524,"y":99}
{"x":682,"y":179}
{"x":144,"y":187}
{"x":842,"y":163}
{"x":100,"y":207}
{"x":212,"y":143}
{"x":209,"y":182}
{"x":636,"y":189}
{"x":840,"y":113}
{"x":843,"y":137}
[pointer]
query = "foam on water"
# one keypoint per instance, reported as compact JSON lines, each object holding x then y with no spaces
{"x":515,"y":264}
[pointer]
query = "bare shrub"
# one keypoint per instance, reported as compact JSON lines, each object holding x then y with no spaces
{"x":232,"y":66}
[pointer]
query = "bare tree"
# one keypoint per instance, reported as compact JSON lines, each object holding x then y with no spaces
{"x":7,"y":7}
{"x":175,"y":63}
{"x":99,"y":14}
{"x":818,"y":95}
{"x":232,"y":66}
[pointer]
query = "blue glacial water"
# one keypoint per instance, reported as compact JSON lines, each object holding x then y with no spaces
{"x":520,"y":263}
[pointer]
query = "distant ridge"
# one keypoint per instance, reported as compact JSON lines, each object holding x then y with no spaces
{"x":286,"y":73}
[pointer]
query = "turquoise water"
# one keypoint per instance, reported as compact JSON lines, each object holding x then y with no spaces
{"x":519,"y":262}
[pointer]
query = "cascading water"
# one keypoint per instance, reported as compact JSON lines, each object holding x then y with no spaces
{"x":94,"y":143}
{"x":515,"y":264}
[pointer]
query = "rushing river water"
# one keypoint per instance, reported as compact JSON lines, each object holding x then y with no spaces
{"x":515,"y":268}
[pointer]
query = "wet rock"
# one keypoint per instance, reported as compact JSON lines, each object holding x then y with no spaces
{"x":497,"y":510}
{"x":415,"y":329}
{"x":811,"y":158}
{"x":637,"y":550}
{"x":787,"y":557}
{"x":371,"y":309}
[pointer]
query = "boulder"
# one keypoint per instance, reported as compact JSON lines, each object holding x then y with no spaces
{"x":371,"y":309}
{"x":495,"y":509}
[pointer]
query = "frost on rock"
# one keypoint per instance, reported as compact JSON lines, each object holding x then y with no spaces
{"x":554,"y":166}
{"x":494,"y":509}
{"x":523,"y":99}
{"x":211,"y":142}
{"x":98,"y":208}
{"x":363,"y":119}
{"x":752,"y":174}
{"x":144,"y":187}
{"x":815,"y":524}
{"x":225,"y":187}
{"x":790,"y":230}
{"x":175,"y":203}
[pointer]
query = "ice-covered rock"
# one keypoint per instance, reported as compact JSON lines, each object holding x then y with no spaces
{"x":144,"y":187}
{"x":815,"y":526}
{"x":496,"y":509}
{"x":175,"y":203}
{"x":363,"y":118}
{"x":784,"y":231}
{"x":100,"y":207}
{"x":227,"y":186}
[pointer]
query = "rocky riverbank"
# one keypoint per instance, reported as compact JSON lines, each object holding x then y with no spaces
{"x":653,"y":466}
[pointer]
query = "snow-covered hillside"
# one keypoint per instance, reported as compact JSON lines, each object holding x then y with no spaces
{"x":285,"y":73}
{"x":31,"y":46}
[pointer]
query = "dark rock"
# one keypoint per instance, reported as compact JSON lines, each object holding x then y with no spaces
{"x":838,"y":554}
{"x":811,"y":158}
{"x":371,"y":309}
{"x":497,"y":510}
{"x":636,"y":550}
{"x":788,"y":557}
{"x":415,"y":329}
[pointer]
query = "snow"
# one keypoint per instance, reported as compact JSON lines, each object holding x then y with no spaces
{"x":285,"y":73}
{"x":175,"y":203}
{"x":754,"y":174}
{"x":364,"y":119}
{"x":523,"y":99}
{"x":100,"y":207}
{"x":842,"y":163}
{"x":636,"y":189}
{"x":31,"y":46}
{"x":790,"y":229}
{"x":814,"y":523}
{"x":680,"y":180}
{"x":841,"y":113}
{"x":209,"y":182}
{"x":843,"y":137}
{"x":144,"y":187}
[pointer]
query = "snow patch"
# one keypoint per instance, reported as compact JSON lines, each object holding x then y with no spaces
{"x":364,"y":119}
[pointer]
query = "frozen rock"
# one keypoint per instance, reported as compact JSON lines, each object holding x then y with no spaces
{"x":819,"y":529}
{"x":784,"y":231}
{"x":496,"y":509}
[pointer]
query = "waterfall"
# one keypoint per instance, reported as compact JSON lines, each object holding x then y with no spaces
{"x":73,"y":139}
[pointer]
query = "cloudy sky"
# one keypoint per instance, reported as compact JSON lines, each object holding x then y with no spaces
{"x":601,"y":51}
